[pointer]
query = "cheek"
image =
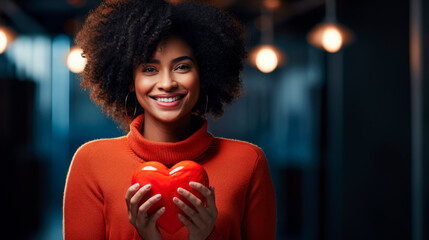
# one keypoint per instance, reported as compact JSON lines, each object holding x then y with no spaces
{"x":142,"y":88}
{"x":194,"y":86}
{"x":142,"y":85}
{"x":193,"y":83}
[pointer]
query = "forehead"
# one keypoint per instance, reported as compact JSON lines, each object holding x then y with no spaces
{"x":171,"y":47}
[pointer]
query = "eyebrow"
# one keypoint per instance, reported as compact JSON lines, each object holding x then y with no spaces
{"x":182,"y":58}
{"x":178,"y":59}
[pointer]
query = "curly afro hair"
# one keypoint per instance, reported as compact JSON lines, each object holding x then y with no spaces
{"x":120,"y":35}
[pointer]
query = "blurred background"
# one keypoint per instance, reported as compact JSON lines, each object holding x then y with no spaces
{"x":336,"y":94}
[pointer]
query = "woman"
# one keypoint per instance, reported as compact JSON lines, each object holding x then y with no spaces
{"x":157,"y":69}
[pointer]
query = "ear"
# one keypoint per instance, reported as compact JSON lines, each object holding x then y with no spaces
{"x":131,"y":87}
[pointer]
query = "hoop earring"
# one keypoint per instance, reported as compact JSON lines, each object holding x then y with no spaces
{"x":135,"y":106}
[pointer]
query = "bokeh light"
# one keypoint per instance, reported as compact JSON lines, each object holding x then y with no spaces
{"x":272,"y":4}
{"x":266,"y":60}
{"x":332,"y":40}
{"x":77,"y":3}
{"x":3,"y":42}
{"x":7,"y":36}
{"x":330,"y":37}
{"x":75,"y":62}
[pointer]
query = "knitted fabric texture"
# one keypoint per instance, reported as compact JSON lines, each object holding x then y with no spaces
{"x":101,"y":172}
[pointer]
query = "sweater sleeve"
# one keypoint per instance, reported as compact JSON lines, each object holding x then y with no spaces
{"x":260,"y":213}
{"x":83,"y":200}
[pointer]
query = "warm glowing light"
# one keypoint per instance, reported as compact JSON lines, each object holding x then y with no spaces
{"x":329,"y":36}
{"x":272,"y":4}
{"x":75,"y":61}
{"x":266,"y":60}
{"x":332,"y":40}
{"x":7,"y":36}
{"x":3,"y":42}
{"x":77,"y":3}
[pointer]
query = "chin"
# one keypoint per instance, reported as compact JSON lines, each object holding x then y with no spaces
{"x":169,"y":117}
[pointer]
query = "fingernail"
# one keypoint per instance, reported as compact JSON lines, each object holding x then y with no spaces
{"x":180,"y":190}
{"x":192,"y":184}
{"x":176,"y":200}
{"x":147,"y":187}
{"x":135,"y":186}
{"x":162,"y":209}
{"x":158,"y":196}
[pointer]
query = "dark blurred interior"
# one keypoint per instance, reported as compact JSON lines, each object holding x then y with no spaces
{"x":345,"y":133}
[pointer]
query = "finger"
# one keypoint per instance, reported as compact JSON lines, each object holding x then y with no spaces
{"x":135,"y":200}
{"x":198,"y":204}
{"x":158,"y":214}
{"x":146,"y":205}
{"x":188,"y":224}
{"x":130,"y":192}
{"x":211,"y":199}
{"x":200,"y":188}
{"x":207,"y":193}
{"x":211,"y":204}
{"x":213,"y":191}
{"x":196,"y":219}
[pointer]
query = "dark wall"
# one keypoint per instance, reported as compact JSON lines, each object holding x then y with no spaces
{"x":22,"y":173}
{"x":377,"y":121}
{"x":425,"y":112}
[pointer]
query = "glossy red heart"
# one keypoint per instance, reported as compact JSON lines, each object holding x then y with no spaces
{"x":166,"y":181}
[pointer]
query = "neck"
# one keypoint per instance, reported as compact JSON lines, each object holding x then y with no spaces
{"x":158,"y":131}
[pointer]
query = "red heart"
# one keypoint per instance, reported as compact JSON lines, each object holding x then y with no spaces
{"x":166,"y":181}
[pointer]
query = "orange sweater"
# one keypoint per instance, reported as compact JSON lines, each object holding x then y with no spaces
{"x":101,"y":171}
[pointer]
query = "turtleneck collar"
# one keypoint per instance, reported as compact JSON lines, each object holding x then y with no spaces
{"x":165,"y":152}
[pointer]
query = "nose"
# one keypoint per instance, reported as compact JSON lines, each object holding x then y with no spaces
{"x":166,"y":82}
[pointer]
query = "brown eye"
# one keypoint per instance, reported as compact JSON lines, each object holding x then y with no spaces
{"x":149,"y":69}
{"x":183,"y":67}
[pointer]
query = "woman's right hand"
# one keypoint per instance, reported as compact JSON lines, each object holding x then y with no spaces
{"x":138,"y":215}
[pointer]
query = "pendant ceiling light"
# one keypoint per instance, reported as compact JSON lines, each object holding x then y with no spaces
{"x":266,"y":57}
{"x":75,"y":61}
{"x":7,"y":36}
{"x":329,"y":35}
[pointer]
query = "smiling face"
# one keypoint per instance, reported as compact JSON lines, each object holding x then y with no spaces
{"x":168,"y":85}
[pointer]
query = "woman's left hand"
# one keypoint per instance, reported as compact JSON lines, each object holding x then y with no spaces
{"x":203,"y":220}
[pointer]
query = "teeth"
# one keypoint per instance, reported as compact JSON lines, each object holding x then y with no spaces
{"x":168,"y":100}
